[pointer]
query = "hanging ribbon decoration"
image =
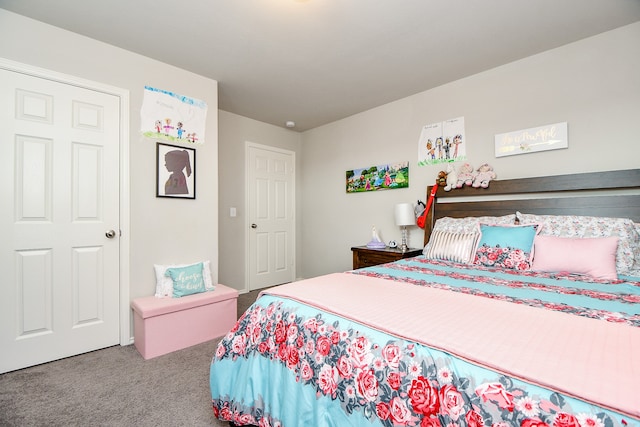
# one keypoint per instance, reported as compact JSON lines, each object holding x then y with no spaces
{"x":423,"y":218}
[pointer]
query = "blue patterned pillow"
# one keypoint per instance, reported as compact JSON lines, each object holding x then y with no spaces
{"x":186,"y":280}
{"x":506,"y":246}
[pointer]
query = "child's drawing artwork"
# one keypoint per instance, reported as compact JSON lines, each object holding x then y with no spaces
{"x":172,"y":117}
{"x":430,"y":144}
{"x":442,"y":142}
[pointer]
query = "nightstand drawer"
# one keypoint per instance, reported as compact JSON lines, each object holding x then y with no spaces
{"x":367,"y":257}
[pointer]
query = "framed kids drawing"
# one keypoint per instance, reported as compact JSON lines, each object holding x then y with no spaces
{"x":175,"y":171}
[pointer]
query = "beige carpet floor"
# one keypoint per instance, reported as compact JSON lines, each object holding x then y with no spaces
{"x":115,"y":387}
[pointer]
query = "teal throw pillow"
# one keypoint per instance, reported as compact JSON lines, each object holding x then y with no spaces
{"x":515,"y":237}
{"x":186,"y":280}
{"x":506,"y":246}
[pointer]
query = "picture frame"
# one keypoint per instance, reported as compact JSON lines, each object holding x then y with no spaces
{"x":175,"y":171}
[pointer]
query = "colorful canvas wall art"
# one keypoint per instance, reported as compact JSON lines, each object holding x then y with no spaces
{"x":380,"y":177}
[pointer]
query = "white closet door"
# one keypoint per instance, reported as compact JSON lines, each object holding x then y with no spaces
{"x":59,"y":181}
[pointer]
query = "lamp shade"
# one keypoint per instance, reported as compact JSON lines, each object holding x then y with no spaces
{"x":405,"y":214}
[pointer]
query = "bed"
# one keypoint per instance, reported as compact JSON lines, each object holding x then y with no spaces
{"x":514,"y":315}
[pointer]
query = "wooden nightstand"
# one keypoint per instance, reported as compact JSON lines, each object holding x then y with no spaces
{"x":366,"y":257}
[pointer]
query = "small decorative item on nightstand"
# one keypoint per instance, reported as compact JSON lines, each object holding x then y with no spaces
{"x":376,"y":242}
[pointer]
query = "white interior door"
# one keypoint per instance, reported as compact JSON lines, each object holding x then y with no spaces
{"x":59,"y":181}
{"x":271,"y":208}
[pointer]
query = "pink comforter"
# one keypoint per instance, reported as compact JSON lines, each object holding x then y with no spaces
{"x":565,"y":353}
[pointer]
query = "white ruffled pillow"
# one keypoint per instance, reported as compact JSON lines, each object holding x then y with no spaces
{"x":164,"y":284}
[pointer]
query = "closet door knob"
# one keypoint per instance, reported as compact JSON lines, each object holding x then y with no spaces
{"x":254,"y":225}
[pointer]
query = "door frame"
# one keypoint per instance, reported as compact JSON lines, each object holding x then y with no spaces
{"x":247,"y":226}
{"x":124,"y":216}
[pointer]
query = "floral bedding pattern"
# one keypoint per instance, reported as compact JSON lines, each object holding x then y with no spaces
{"x":373,"y":379}
{"x":506,"y":257}
{"x":617,"y":301}
{"x":470,"y":224}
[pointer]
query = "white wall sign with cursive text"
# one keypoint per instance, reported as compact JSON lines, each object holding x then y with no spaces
{"x":541,"y":138}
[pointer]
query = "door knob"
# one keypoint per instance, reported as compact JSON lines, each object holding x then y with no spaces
{"x":254,"y":225}
{"x":110,"y":234}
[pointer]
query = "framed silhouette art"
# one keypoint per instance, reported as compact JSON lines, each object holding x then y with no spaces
{"x":175,"y":171}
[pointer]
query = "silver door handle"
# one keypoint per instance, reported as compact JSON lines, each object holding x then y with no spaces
{"x":254,"y":225}
{"x":110,"y":234}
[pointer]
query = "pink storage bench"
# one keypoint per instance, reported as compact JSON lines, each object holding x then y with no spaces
{"x":163,"y":325}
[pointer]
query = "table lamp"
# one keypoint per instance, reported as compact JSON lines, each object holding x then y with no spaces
{"x":404,"y":216}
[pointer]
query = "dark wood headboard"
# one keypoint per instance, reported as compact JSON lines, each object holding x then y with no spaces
{"x":614,"y":194}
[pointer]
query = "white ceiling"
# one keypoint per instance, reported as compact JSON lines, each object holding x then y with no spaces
{"x":317,"y":61}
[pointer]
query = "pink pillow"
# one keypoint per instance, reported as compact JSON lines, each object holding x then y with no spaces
{"x":595,"y":257}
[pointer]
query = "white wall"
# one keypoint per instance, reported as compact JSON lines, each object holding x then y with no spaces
{"x":162,"y":230}
{"x":235,"y":131}
{"x":593,"y":85}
